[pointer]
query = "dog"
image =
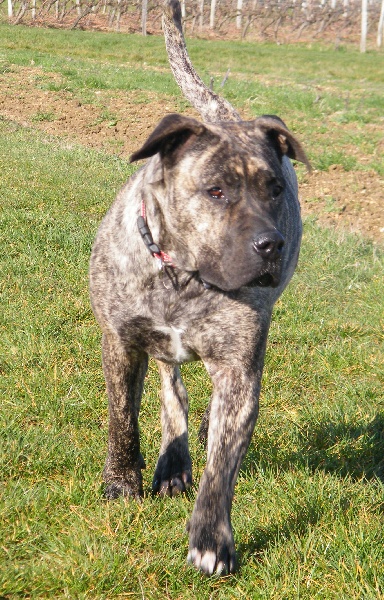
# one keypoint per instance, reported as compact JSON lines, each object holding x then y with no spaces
{"x":187,"y":265}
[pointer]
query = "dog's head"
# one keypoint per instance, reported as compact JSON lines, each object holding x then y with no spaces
{"x":220,"y":190}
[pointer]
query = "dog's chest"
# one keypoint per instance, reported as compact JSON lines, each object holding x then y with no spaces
{"x":168,"y":344}
{"x":162,"y":339}
{"x":163,"y":323}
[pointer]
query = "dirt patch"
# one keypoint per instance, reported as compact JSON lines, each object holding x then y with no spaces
{"x":119,"y":122}
{"x":113,"y":121}
{"x":348,"y":199}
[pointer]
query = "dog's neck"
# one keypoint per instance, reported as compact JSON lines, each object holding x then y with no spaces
{"x":165,"y":262}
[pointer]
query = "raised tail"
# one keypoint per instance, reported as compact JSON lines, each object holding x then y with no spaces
{"x":211,"y":107}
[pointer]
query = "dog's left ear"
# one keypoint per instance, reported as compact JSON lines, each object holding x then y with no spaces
{"x":283,"y":140}
{"x":170,"y":136}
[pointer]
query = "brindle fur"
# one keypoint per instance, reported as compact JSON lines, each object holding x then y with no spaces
{"x":210,"y":306}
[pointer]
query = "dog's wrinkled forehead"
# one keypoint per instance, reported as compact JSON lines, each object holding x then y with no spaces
{"x":221,"y":168}
{"x":229,"y":153}
{"x":177,"y":138}
{"x":244,"y":138}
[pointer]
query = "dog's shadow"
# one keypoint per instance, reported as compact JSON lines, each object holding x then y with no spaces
{"x":300,"y":519}
{"x":337,"y":447}
{"x":341,"y":449}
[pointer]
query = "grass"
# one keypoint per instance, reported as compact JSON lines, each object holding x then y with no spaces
{"x":325,"y":95}
{"x":308,"y":508}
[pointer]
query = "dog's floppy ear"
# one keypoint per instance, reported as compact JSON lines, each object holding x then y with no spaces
{"x":285,"y":143}
{"x":171,"y":134}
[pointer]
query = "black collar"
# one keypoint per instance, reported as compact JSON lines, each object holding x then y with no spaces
{"x":165,"y":262}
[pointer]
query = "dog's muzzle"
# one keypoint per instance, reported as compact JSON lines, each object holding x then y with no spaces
{"x":269,"y":246}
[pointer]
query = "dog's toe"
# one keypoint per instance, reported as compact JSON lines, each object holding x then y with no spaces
{"x":208,"y":563}
{"x":116,"y":489}
{"x":175,"y":485}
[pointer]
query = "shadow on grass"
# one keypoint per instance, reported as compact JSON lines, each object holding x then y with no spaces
{"x":346,"y":448}
{"x":301,"y":518}
{"x":342,"y":448}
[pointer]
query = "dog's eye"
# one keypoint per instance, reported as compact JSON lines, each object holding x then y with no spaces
{"x":276,"y":190}
{"x":216,"y":193}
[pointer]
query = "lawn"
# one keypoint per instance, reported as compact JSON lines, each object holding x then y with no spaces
{"x":308,"y":507}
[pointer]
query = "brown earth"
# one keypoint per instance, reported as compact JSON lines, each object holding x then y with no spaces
{"x":119,"y":122}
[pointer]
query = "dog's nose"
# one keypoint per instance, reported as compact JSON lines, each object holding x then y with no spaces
{"x":269,"y":244}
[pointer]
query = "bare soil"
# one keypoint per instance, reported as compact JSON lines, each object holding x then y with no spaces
{"x":119,"y":122}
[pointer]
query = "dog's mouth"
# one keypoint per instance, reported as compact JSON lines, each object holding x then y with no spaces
{"x":245,"y":274}
{"x":265,"y":280}
{"x":269,"y":276}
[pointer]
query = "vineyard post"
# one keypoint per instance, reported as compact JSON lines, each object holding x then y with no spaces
{"x":380,"y":26}
{"x":364,"y":25}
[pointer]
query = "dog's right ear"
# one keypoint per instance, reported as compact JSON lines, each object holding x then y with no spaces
{"x":170,"y":137}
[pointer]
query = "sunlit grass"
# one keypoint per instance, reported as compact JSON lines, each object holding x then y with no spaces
{"x":308,"y":507}
{"x":316,"y":89}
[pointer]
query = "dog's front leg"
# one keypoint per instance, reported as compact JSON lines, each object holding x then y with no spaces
{"x":124,"y":374}
{"x":234,"y":409}
{"x":173,"y":473}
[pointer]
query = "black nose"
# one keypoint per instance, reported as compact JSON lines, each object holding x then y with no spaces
{"x":269,"y":244}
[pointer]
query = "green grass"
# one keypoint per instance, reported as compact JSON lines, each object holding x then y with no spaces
{"x":281,"y":61}
{"x":316,"y":89}
{"x":308,"y":507}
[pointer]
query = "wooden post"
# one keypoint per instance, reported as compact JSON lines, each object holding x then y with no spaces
{"x":144,"y":12}
{"x":212,"y":15}
{"x":364,"y":25}
{"x":380,"y":26}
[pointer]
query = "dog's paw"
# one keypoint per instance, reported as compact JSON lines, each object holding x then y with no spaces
{"x":118,"y":488}
{"x":173,"y":474}
{"x":212,"y":553}
{"x":126,"y":482}
{"x":173,"y":485}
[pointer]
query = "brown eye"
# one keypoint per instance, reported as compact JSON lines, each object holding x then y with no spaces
{"x":277,"y":189}
{"x":216,"y":193}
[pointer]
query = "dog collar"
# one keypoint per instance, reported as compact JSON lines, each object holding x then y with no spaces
{"x":164,"y":260}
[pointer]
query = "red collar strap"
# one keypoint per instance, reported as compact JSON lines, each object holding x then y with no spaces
{"x":164,"y":259}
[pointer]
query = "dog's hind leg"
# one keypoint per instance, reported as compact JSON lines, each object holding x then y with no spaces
{"x":173,"y":474}
{"x":203,"y":430}
{"x":124,"y":374}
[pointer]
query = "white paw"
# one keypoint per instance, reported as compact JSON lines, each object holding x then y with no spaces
{"x":206,"y":562}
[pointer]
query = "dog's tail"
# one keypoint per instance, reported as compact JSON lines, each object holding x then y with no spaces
{"x":210,"y":106}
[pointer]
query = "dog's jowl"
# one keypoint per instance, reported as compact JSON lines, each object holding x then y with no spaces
{"x":187,"y":265}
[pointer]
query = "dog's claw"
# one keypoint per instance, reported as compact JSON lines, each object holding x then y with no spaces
{"x":178,"y":484}
{"x":221,"y":569}
{"x":207,"y":562}
{"x":164,"y":489}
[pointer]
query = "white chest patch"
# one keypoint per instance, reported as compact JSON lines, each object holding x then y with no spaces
{"x":176,"y":350}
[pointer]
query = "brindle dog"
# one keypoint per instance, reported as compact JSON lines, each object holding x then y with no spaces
{"x":187,"y":265}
